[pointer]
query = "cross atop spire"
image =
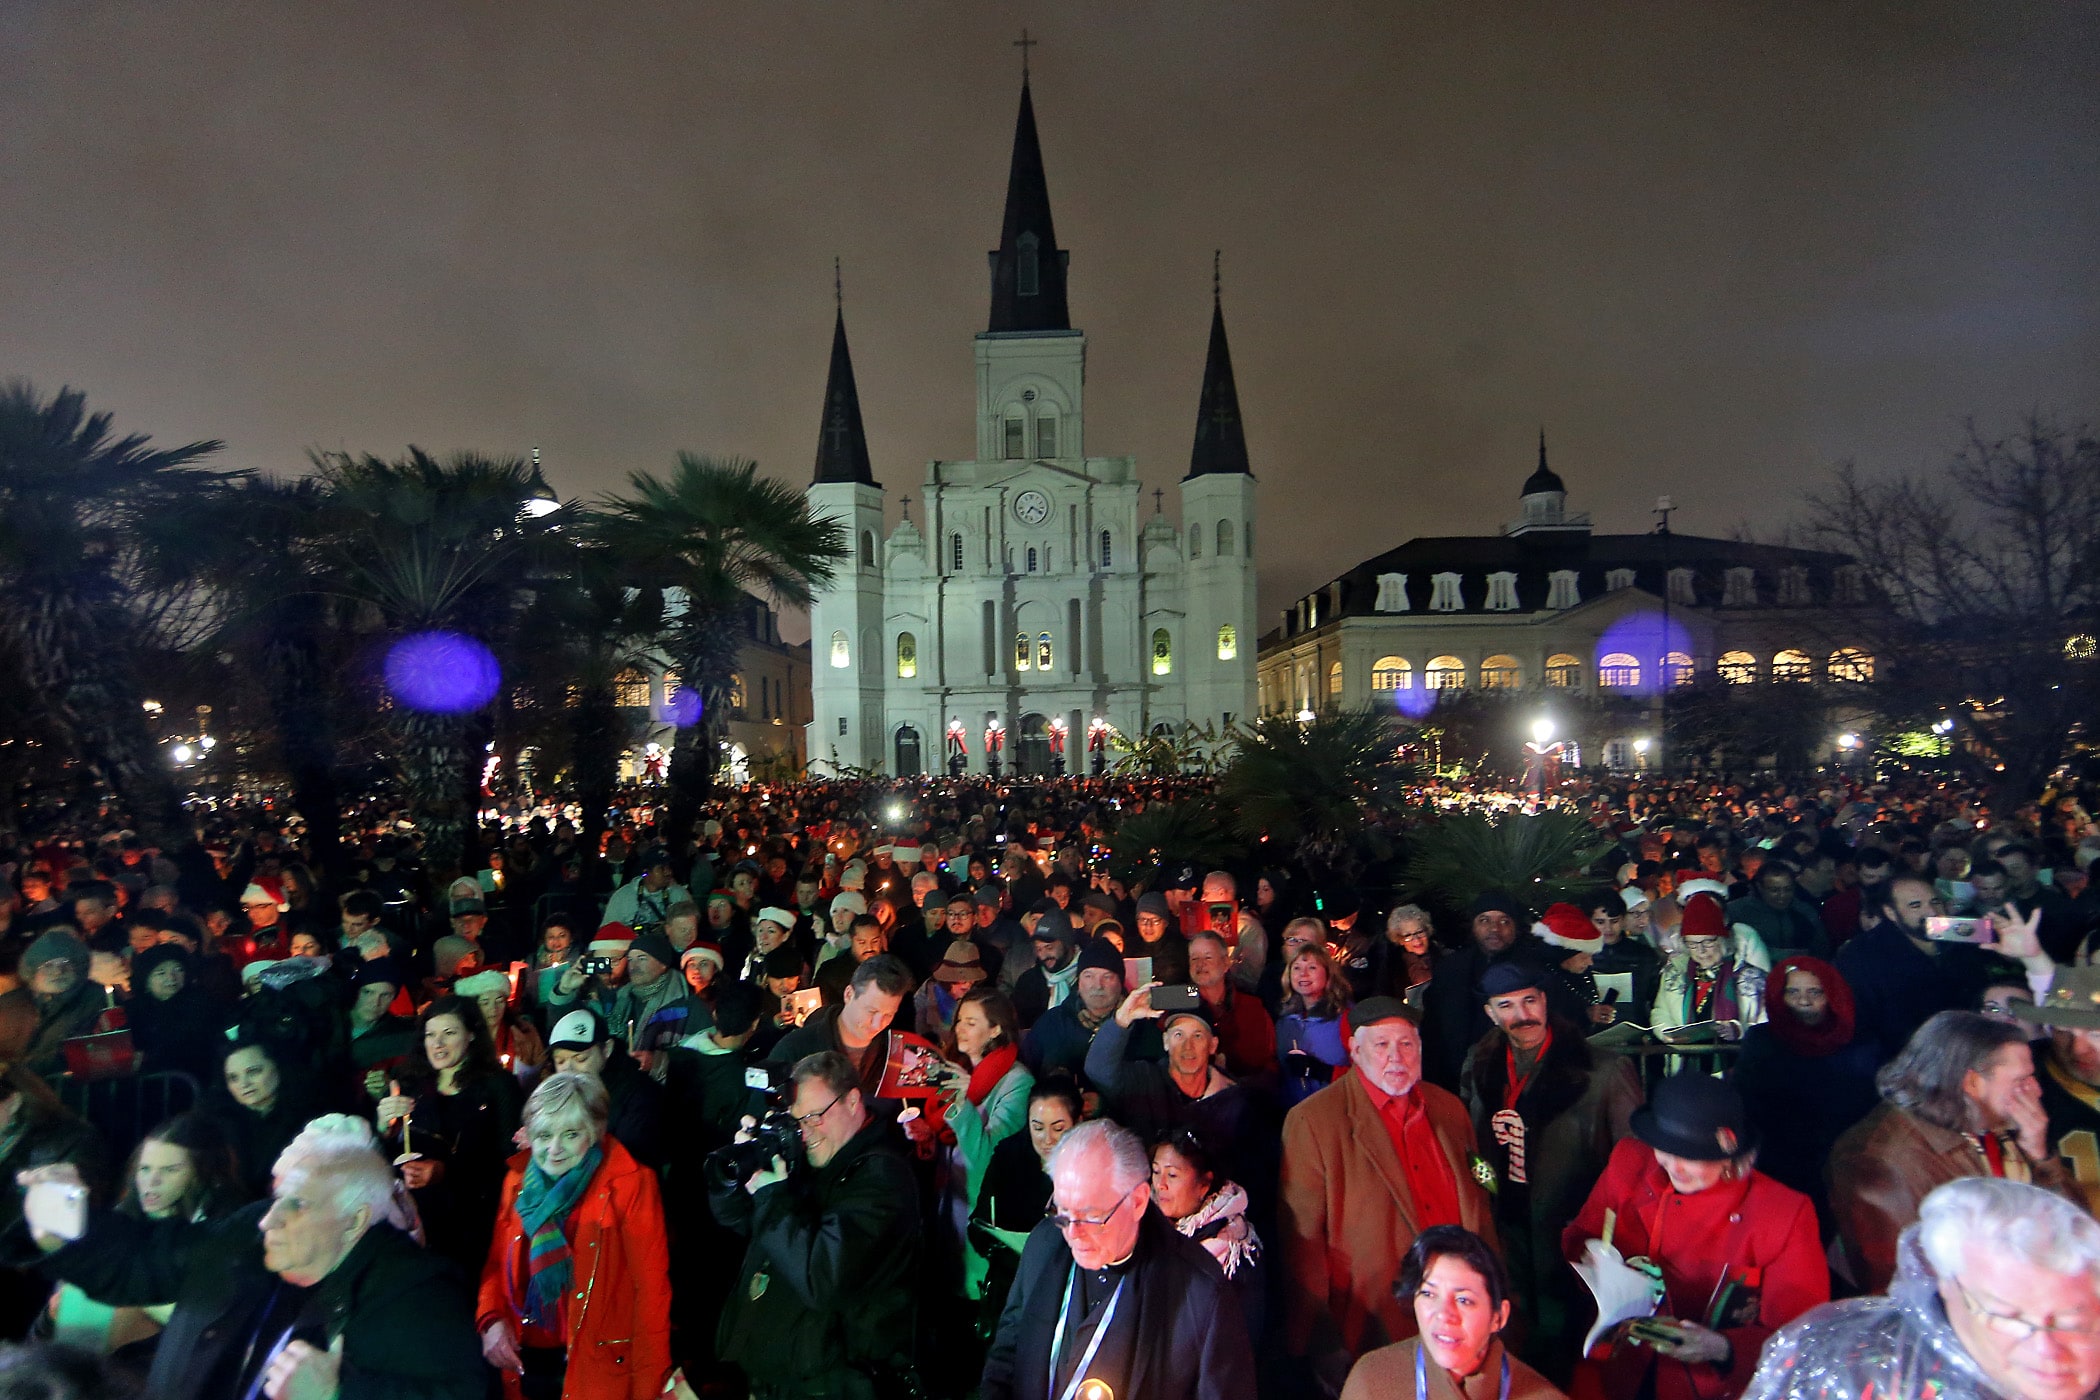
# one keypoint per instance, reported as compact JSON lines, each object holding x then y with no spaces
{"x":1024,"y":44}
{"x":1028,"y":268}
{"x":1159,"y":500}
{"x":1217,"y":281}
{"x":1221,"y":441}
{"x":842,"y":443}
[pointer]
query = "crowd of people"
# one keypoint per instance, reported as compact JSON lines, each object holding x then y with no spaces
{"x":895,"y":1090}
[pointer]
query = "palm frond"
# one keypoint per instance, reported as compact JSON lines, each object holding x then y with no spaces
{"x":1536,"y":859}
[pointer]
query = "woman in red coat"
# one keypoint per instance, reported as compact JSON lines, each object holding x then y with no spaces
{"x":1739,"y":1253}
{"x":576,"y":1295}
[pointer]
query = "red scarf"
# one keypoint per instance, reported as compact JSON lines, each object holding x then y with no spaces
{"x":1835,"y":1033}
{"x":1512,"y":1087}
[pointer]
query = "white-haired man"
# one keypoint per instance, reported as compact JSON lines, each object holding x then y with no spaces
{"x":1108,"y":1291}
{"x":1997,"y":1294}
{"x":315,"y":1293}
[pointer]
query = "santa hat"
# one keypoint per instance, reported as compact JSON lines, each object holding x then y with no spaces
{"x":1565,"y":926}
{"x":1687,"y":888}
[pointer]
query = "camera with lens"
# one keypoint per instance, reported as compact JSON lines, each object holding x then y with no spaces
{"x":594,"y":966}
{"x":775,"y":1134}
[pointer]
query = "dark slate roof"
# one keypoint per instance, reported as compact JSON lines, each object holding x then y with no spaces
{"x":842,"y":444}
{"x":1028,"y":214}
{"x":1535,"y":558}
{"x":1221,"y":440}
{"x":1544,"y":479}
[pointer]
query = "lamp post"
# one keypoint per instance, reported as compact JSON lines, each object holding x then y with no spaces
{"x":1541,"y":757}
{"x":1663,"y":507}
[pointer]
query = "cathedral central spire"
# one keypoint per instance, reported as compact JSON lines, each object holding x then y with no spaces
{"x":842,"y":443}
{"x":1028,"y":268}
{"x":1221,"y":440}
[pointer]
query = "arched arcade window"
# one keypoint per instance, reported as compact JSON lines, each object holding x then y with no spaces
{"x":1392,"y":673}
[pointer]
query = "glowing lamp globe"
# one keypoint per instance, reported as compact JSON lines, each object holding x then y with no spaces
{"x":442,"y":673}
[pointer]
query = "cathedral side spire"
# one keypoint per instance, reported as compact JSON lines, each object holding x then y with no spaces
{"x":1545,"y":479}
{"x":1221,"y":440}
{"x":842,"y":444}
{"x":1028,"y":268}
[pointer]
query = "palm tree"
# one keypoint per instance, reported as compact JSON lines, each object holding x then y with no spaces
{"x":421,"y":545}
{"x":1536,"y":858}
{"x":1308,"y":788}
{"x":79,"y":573}
{"x":711,"y":536}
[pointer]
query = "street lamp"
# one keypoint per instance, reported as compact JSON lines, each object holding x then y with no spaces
{"x":1640,"y":752}
{"x":1541,"y":730}
{"x":1305,"y":716}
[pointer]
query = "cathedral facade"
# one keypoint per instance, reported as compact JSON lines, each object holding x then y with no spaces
{"x":1032,"y":602}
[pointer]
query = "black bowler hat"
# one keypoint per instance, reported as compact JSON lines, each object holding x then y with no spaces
{"x":1695,"y":1116}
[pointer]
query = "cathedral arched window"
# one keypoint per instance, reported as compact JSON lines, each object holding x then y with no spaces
{"x":1031,"y":559}
{"x":1228,"y":642}
{"x":1024,"y":654}
{"x":955,"y":554}
{"x":1224,"y":539}
{"x":1043,"y":656}
{"x":1046,"y":435}
{"x":1011,"y":449}
{"x":1108,"y":552}
{"x":907,"y":656}
{"x":1162,"y":652}
{"x":841,"y":651}
{"x":867,"y":549}
{"x":1028,"y":274}
{"x":1195,"y":541}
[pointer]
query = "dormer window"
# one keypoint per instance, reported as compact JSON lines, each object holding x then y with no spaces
{"x":1851,"y":584}
{"x":1028,"y":277}
{"x":1392,"y":593}
{"x":1444,"y":595}
{"x":1502,"y":592}
{"x":1793,"y":587}
{"x":1740,"y":588}
{"x":1681,"y":591}
{"x":1562,"y":589}
{"x":1616,"y":579}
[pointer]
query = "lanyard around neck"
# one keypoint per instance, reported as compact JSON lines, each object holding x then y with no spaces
{"x":1422,"y":1373}
{"x":1086,"y":1358}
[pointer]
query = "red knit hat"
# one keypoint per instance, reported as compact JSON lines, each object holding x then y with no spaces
{"x":1703,"y":918}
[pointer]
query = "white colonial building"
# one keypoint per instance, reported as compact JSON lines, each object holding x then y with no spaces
{"x":1031,"y":599}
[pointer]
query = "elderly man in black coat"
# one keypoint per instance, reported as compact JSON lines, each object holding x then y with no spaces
{"x":1453,"y":1020}
{"x":315,"y":1293}
{"x":1109,"y":1291}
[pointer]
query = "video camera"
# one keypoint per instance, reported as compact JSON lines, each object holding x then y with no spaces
{"x":775,"y":1134}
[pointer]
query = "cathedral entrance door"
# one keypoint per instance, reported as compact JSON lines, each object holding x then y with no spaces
{"x":1032,"y":746}
{"x":909,"y":763}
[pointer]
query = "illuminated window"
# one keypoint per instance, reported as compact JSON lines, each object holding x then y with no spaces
{"x":2079,"y":648}
{"x":1447,"y":672}
{"x":631,"y":690}
{"x":1564,"y":671}
{"x":1737,"y":667}
{"x":1046,"y":437}
{"x":1677,"y":668}
{"x":1162,"y":652}
{"x":907,"y":656}
{"x":1850,"y":664}
{"x":1392,"y":673}
{"x":1024,"y":653}
{"x":736,"y":696}
{"x":841,"y":651}
{"x":1224,"y":539}
{"x":1013,"y":449}
{"x":1334,"y":679}
{"x":1791,"y":665}
{"x":1501,"y":673}
{"x":1042,"y":651}
{"x":1618,"y":670}
{"x":1228,"y":642}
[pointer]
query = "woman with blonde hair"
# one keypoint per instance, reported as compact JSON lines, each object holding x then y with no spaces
{"x":576,"y":1292}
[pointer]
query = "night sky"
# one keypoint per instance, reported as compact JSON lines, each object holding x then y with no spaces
{"x":1712,"y":247}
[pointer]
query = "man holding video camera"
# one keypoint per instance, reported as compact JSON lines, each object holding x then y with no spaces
{"x":823,"y":1303}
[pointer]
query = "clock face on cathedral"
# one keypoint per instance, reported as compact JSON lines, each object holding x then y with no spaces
{"x":1032,"y":507}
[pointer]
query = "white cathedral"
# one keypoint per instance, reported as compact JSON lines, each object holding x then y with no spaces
{"x":1038,"y":609}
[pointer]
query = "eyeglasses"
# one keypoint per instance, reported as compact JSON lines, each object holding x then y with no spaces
{"x":1084,"y":1222}
{"x":2018,"y":1329}
{"x":810,"y":1120}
